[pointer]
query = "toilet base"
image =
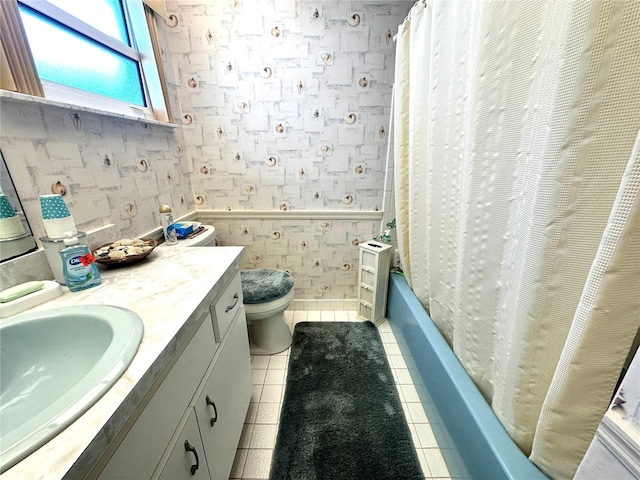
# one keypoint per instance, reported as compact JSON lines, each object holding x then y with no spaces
{"x":269,"y":335}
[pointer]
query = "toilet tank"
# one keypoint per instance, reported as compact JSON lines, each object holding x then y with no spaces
{"x":205,"y":238}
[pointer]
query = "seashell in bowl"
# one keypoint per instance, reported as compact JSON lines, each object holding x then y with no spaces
{"x":125,"y":251}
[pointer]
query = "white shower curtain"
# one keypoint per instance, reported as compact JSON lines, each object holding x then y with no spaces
{"x":517,"y":178}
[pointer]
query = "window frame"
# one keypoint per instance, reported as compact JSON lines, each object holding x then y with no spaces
{"x":142,"y":50}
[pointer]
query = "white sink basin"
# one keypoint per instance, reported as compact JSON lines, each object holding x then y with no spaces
{"x":56,"y":364}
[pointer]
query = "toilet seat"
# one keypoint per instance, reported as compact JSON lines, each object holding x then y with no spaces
{"x":265,"y":285}
{"x":266,"y":295}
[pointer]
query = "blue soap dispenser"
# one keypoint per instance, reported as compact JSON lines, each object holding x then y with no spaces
{"x":78,"y":265}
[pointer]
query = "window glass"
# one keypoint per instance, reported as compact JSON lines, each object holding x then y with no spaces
{"x":66,"y":57}
{"x":104,"y":15}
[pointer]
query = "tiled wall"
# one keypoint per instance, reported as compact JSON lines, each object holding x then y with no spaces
{"x":100,"y":163}
{"x":116,"y":171}
{"x":285,"y":107}
{"x":282,"y":105}
{"x":286,"y":104}
{"x":320,"y":253}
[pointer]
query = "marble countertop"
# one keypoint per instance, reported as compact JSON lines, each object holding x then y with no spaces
{"x":170,"y":291}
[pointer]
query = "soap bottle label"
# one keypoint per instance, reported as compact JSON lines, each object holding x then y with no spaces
{"x":79,"y":269}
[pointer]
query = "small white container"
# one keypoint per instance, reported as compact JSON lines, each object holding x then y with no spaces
{"x":168,"y":227}
{"x":373,"y":280}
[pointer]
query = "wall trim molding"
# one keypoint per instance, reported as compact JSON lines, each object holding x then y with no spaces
{"x":324,"y":305}
{"x":621,"y":441}
{"x":210,"y":215}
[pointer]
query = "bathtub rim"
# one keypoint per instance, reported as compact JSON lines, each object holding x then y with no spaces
{"x":404,"y":310}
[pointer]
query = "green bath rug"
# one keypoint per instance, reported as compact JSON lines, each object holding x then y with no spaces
{"x":341,"y":416}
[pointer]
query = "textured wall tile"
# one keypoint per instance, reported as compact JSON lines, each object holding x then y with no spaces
{"x":237,"y":70}
{"x":23,"y":121}
{"x":354,"y":41}
{"x":314,"y":251}
{"x":282,"y":62}
{"x":340,"y":72}
{"x":98,"y":162}
{"x":64,"y":152}
{"x":179,"y":43}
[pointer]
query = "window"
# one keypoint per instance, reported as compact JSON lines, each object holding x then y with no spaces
{"x":96,"y":53}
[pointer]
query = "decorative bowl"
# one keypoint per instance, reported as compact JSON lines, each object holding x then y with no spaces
{"x":125,"y":251}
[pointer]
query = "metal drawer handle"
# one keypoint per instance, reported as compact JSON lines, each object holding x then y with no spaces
{"x":189,"y":448}
{"x":212,"y":421}
{"x":231,"y":307}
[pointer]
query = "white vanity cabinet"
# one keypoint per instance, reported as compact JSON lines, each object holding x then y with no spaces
{"x":202,"y":400}
{"x":220,"y":406}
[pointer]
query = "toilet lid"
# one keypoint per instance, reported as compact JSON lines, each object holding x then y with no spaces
{"x":264,"y":285}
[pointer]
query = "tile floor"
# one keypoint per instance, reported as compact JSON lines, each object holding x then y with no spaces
{"x":255,"y":449}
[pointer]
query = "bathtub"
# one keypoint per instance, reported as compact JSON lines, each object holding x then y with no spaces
{"x":473,"y":442}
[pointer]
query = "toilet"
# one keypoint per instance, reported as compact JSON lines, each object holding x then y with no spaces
{"x":267,"y":294}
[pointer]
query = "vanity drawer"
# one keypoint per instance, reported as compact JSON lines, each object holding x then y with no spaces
{"x":226,"y":306}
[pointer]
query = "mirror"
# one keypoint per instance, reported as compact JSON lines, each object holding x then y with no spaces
{"x":15,"y":234}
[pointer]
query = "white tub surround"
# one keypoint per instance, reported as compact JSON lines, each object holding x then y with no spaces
{"x":171,"y":291}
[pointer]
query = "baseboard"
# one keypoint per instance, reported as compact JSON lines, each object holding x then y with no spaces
{"x":324,"y":305}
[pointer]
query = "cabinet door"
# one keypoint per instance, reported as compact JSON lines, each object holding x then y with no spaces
{"x":140,"y":451}
{"x":185,"y":455}
{"x":222,"y":404}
